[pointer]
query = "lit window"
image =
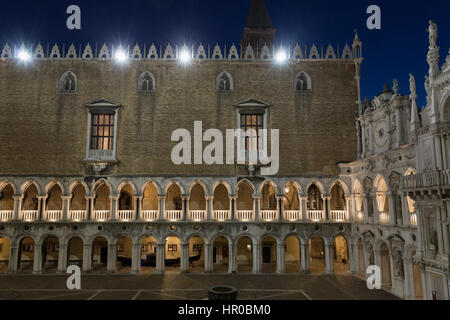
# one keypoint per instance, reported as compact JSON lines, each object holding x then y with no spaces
{"x":102,"y":132}
{"x":252,"y":125}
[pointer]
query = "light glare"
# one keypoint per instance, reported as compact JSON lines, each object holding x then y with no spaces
{"x":281,"y":56}
{"x":185,"y":56}
{"x":24,"y":55}
{"x":121,"y":56}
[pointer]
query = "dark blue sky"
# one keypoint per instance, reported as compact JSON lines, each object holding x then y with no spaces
{"x":399,"y":48}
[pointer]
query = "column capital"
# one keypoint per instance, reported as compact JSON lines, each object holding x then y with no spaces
{"x":67,"y":197}
{"x":18,"y":196}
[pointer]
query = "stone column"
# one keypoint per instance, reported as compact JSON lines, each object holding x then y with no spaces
{"x":408,"y":284}
{"x":87,"y":258}
{"x":209,"y":204}
{"x":327,"y":208}
{"x":281,"y":250}
{"x":65,"y":208}
{"x":399,"y":125}
{"x":185,"y":208}
{"x":41,"y":201}
{"x":233,"y":208}
{"x":37,"y":261}
{"x":62,"y":258}
{"x":376,"y":212}
{"x":366,"y":208}
{"x":439,"y":226}
{"x":329,"y":258}
{"x":160,"y":258}
{"x":184,"y":258}
{"x":136,"y":258}
{"x":13,"y":258}
{"x":91,"y":209}
{"x":304,"y":260}
{"x":363,"y":139}
{"x":114,"y":208}
{"x":256,"y":208}
{"x":303,"y":204}
{"x":162,"y":204}
{"x":112,"y":258}
{"x":445,"y":231}
{"x":17,"y":201}
{"x":392,"y":215}
{"x":405,"y":210}
{"x":353,"y":258}
{"x":232,"y":267}
{"x":208,"y":258}
{"x":256,"y":258}
{"x":371,"y":138}
{"x":280,"y":207}
{"x":138,"y":208}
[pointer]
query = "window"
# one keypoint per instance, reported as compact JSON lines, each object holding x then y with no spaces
{"x":68,"y":82}
{"x":102,"y":132}
{"x":172,"y":247}
{"x":303,"y":82}
{"x":146,"y":82}
{"x":224,"y":82}
{"x":254,"y":123}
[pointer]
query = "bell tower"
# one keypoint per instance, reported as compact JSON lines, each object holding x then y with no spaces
{"x":258,"y":30}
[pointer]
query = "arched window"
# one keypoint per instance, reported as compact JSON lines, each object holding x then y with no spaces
{"x":146,"y":82}
{"x":68,"y":82}
{"x":224,"y":82}
{"x":303,"y":82}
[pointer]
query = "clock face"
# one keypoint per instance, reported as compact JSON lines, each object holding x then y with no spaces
{"x":381,"y":134}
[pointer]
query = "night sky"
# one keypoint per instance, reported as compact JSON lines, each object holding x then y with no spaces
{"x":393,"y":52}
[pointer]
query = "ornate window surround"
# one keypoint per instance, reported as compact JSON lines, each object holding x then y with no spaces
{"x":230,"y":78}
{"x":308,"y":83}
{"x":140,"y":82}
{"x":101,"y":106}
{"x":61,"y":83}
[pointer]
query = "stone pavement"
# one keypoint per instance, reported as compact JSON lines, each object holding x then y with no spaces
{"x":188,"y":287}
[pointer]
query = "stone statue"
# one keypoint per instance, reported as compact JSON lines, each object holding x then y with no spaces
{"x":395,"y":87}
{"x":412,"y":85}
{"x":433,"y":34}
{"x":428,"y":89}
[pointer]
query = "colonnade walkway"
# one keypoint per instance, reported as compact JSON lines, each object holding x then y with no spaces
{"x":189,"y":287}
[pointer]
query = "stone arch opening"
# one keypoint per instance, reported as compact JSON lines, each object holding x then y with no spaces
{"x":291,"y":198}
{"x":54,"y":204}
{"x":26,"y":255}
{"x":338,"y":208}
{"x":50,"y":254}
{"x":244,"y":255}
{"x":341,"y":257}
{"x":315,"y":206}
{"x":268,"y":254}
{"x":126,"y":203}
{"x":221,"y":260}
{"x":385,"y":260}
{"x":196,"y":254}
{"x":5,"y":248}
{"x":292,"y":255}
{"x":268,"y":203}
{"x":197,"y":203}
{"x":7,"y":203}
{"x":359,"y":202}
{"x":244,"y":201}
{"x":150,"y":203}
{"x":75,"y":250}
{"x":124,"y":254}
{"x":172,"y":255}
{"x":316,"y":255}
{"x":78,"y":204}
{"x":382,"y":201}
{"x":174,"y":203}
{"x":221,"y":203}
{"x":100,"y":253}
{"x":148,"y":255}
{"x":102,"y":202}
{"x":30,"y":204}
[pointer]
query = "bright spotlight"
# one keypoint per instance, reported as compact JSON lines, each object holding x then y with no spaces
{"x":281,"y":56}
{"x":24,"y":56}
{"x":121,"y":56}
{"x":185,"y":56}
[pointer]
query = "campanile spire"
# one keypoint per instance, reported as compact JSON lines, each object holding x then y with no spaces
{"x":259,"y":29}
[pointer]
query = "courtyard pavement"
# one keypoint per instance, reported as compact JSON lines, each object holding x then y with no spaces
{"x":188,"y":287}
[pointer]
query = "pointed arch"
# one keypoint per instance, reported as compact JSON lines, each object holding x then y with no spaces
{"x":99,"y":183}
{"x":318,"y":185}
{"x":176,"y":182}
{"x":51,"y":184}
{"x":224,"y":82}
{"x":225,"y":184}
{"x":124,"y":183}
{"x":5,"y":183}
{"x":202,"y":184}
{"x":303,"y":82}
{"x":28,"y":183}
{"x":68,"y":82}
{"x":75,"y":183}
{"x":342,"y":184}
{"x":247,"y":182}
{"x":151,"y":182}
{"x":146,"y":82}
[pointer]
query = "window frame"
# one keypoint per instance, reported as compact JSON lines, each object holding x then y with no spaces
{"x":140,"y":82}
{"x":102,"y":106}
{"x":62,"y":83}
